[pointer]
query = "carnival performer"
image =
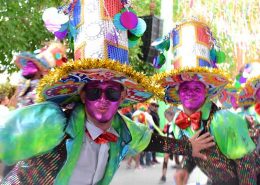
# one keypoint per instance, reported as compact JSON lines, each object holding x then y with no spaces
{"x":168,"y":130}
{"x":86,"y":145}
{"x":33,"y":68}
{"x":192,"y":84}
{"x":249,"y":97}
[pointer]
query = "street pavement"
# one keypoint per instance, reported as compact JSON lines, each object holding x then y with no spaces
{"x":151,"y":175}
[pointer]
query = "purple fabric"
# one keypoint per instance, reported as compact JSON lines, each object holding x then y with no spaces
{"x":61,"y":35}
{"x":29,"y":70}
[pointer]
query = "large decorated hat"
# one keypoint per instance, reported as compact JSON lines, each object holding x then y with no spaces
{"x":194,"y":59}
{"x":228,"y":97}
{"x":51,"y":55}
{"x":248,"y":82}
{"x":101,"y":53}
{"x":248,"y":93}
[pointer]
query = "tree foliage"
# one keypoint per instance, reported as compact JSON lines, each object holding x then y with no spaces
{"x":6,"y":90}
{"x":21,"y":28}
{"x":135,"y":54}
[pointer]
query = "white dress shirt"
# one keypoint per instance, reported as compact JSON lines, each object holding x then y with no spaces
{"x":93,"y":158}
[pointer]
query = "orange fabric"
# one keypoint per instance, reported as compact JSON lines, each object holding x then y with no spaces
{"x":184,"y":121}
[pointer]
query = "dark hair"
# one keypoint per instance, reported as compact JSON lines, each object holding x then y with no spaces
{"x":121,"y":86}
{"x":155,"y":105}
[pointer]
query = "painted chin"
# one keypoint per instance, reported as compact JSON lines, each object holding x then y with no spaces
{"x":102,"y":110}
{"x":104,"y":120}
{"x":192,"y":104}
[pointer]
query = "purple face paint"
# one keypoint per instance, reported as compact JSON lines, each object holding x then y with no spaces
{"x":102,"y":110}
{"x":192,"y":94}
{"x":257,"y":95}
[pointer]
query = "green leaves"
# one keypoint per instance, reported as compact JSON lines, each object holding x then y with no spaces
{"x":21,"y":29}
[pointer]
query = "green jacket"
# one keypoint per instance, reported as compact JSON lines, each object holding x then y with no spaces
{"x":45,"y":126}
{"x":229,"y":130}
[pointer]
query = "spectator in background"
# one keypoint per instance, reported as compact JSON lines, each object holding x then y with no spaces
{"x":153,"y":111}
{"x":3,"y":104}
{"x":127,"y":111}
{"x":33,"y":67}
{"x":168,"y":131}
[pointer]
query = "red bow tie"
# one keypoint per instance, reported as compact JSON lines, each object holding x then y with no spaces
{"x":103,"y":138}
{"x":257,"y":108}
{"x":184,"y":121}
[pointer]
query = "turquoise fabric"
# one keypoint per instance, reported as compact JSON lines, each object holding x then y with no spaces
{"x":31,"y":131}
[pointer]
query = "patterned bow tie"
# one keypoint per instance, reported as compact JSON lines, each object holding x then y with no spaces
{"x":184,"y":121}
{"x":103,"y":138}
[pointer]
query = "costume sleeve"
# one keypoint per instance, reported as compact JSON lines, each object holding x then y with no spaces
{"x":153,"y":125}
{"x":31,"y":131}
{"x":188,"y":164}
{"x":231,"y":134}
{"x":141,"y":136}
{"x":246,"y":170}
{"x":169,"y":145}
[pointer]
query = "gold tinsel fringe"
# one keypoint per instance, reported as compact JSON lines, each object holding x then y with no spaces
{"x":160,"y":76}
{"x":83,"y":64}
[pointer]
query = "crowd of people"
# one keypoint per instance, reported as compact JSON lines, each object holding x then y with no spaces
{"x":74,"y":122}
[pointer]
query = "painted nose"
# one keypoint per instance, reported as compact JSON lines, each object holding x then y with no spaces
{"x":103,"y":97}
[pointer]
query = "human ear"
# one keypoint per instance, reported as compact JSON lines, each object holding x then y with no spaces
{"x":123,"y":95}
{"x":82,"y":95}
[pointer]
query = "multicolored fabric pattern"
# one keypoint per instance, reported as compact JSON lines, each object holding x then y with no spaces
{"x":229,"y":97}
{"x":26,"y":93}
{"x":221,"y":170}
{"x":218,"y":167}
{"x":97,"y":36}
{"x":213,"y":79}
{"x":41,"y":125}
{"x":21,"y":60}
{"x":192,"y":41}
{"x":247,"y":95}
{"x":64,"y":84}
{"x":51,"y":55}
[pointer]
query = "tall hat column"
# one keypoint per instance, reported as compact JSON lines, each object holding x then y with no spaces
{"x":97,"y":36}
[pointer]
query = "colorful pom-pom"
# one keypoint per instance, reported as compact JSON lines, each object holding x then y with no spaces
{"x":129,"y":20}
{"x":117,"y":22}
{"x":140,"y":28}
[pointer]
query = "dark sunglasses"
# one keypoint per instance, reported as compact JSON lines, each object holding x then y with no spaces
{"x":95,"y":93}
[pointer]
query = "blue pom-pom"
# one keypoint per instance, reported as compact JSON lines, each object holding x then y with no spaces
{"x":140,"y":28}
{"x":117,"y":22}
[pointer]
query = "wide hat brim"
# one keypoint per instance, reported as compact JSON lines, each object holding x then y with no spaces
{"x":228,"y":97}
{"x":247,"y":94}
{"x":214,"y":79}
{"x":22,"y":58}
{"x":63,"y":85}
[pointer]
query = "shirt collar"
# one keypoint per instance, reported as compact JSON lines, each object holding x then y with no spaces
{"x":95,"y":131}
{"x":205,"y":110}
